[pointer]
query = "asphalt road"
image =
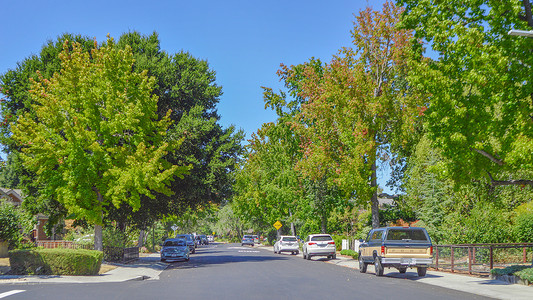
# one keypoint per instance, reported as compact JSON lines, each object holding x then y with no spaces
{"x":229,"y":271}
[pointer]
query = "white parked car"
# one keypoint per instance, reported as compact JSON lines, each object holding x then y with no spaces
{"x":319,"y":245}
{"x":287,"y":243}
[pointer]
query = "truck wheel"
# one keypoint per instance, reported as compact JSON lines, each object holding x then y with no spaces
{"x":421,"y":271}
{"x":362,"y":264}
{"x":402,"y":270}
{"x":378,"y":267}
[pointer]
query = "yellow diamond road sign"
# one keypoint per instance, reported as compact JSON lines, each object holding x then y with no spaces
{"x":277,"y":225}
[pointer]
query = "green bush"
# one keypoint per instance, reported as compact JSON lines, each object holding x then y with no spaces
{"x":509,"y":270}
{"x":526,"y":274}
{"x":55,"y":261}
{"x":14,"y":223}
{"x":338,"y":241}
{"x":351,"y":253}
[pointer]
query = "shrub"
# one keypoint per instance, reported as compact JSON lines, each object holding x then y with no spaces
{"x":338,"y":241}
{"x":55,"y":261}
{"x":351,"y":253}
{"x":509,"y":270}
{"x":526,"y":274}
{"x":14,"y":223}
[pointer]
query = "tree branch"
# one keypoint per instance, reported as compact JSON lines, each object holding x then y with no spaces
{"x":527,"y":8}
{"x":509,"y":182}
{"x":487,"y":155}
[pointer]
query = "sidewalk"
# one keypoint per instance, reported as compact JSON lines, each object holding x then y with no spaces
{"x":145,"y":268}
{"x":469,"y":284}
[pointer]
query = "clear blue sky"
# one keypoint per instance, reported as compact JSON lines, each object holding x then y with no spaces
{"x":243,"y":41}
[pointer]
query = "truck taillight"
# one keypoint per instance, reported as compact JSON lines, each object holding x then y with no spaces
{"x":382,"y":250}
{"x":431,"y":250}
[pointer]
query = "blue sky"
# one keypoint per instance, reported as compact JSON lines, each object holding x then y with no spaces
{"x":243,"y":41}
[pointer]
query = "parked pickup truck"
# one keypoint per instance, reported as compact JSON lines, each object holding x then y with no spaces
{"x":396,"y":247}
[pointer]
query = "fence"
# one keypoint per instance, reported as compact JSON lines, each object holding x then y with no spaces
{"x":62,"y":244}
{"x":119,"y":254}
{"x":481,"y":258}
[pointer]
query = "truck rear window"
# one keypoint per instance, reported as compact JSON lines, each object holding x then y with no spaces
{"x":406,"y":234}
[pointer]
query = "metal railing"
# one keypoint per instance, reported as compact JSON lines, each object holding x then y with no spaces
{"x":481,"y":258}
{"x":119,"y":254}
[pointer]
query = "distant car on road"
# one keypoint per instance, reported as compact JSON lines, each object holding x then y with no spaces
{"x":190,"y":241}
{"x":203,"y":239}
{"x":287,"y":243}
{"x":319,"y":245}
{"x":247,"y":240}
{"x":256,"y":238}
{"x":210,"y":238}
{"x":175,"y":249}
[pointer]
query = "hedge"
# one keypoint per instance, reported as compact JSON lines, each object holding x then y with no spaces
{"x":351,"y":253}
{"x":58,"y":261}
{"x":524,"y":272}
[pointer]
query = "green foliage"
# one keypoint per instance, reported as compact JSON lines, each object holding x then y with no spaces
{"x":14,"y":224}
{"x":351,"y":253}
{"x":338,"y":241}
{"x":484,"y":223}
{"x":526,"y":274}
{"x":55,"y":261}
{"x":524,"y":228}
{"x":480,"y":86}
{"x":509,"y":270}
{"x":105,"y":145}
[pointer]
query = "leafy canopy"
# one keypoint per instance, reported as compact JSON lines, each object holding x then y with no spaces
{"x":93,"y":130}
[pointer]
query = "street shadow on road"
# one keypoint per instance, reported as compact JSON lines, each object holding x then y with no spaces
{"x":204,"y":261}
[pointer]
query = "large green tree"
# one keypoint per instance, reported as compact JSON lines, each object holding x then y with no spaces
{"x":183,"y":84}
{"x":93,"y":137}
{"x":481,"y":86}
{"x":359,"y":107}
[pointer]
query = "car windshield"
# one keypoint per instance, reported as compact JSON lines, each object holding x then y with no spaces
{"x":321,"y":238}
{"x":406,"y":234}
{"x":174,"y":243}
{"x":247,"y":237}
{"x":187,"y":237}
{"x":289,"y":239}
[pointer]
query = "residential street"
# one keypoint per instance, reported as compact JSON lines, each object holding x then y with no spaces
{"x":230,"y":271}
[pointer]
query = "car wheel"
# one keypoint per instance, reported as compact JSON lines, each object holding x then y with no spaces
{"x":308,"y":256}
{"x":402,"y":270}
{"x":304,"y":256}
{"x":187,"y":259}
{"x":163,"y":260}
{"x":421,"y":271}
{"x":378,"y":267}
{"x":193,"y":251}
{"x":362,"y":264}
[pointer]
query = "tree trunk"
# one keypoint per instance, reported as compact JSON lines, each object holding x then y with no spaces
{"x":374,"y":201}
{"x":140,"y":243}
{"x":324,"y":224}
{"x":98,"y":237}
{"x":293,"y":230}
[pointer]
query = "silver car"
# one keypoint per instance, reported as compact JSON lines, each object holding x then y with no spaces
{"x":286,"y":243}
{"x":319,"y":245}
{"x":174,"y":249}
{"x":247,"y":240}
{"x":190,"y":241}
